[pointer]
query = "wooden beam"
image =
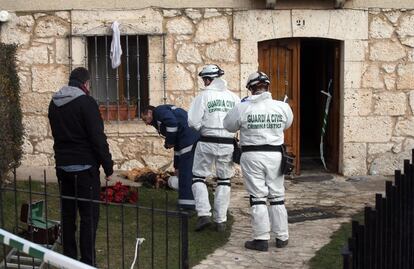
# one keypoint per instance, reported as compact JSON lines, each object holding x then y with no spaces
{"x":271,"y":4}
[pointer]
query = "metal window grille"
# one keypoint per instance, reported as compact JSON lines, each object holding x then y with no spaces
{"x":122,"y":92}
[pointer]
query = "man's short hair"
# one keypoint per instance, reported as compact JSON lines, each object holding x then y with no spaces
{"x":148,"y":108}
{"x":80,"y":74}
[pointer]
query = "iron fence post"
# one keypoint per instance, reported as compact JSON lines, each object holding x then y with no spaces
{"x":355,"y":249}
{"x":379,"y":231}
{"x":15,"y":212}
{"x":346,"y":257}
{"x":398,"y":217}
{"x":123,"y":234}
{"x":2,"y":222}
{"x":366,"y":238}
{"x":407,"y":226}
{"x":388,"y":250}
{"x":393,"y":221}
{"x":107,"y":223}
{"x":152,"y":234}
{"x":184,"y":241}
{"x":166,"y":230}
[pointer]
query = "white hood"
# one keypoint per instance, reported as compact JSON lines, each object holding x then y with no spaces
{"x":259,"y":97}
{"x":217,"y":84}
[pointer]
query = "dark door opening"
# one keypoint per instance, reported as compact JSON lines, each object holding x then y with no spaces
{"x":319,"y":63}
{"x":301,"y":68}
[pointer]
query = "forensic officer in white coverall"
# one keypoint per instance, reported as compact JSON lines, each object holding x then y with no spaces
{"x":261,"y":121}
{"x":215,"y":147}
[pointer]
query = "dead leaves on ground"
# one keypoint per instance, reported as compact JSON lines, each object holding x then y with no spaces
{"x":151,"y":178}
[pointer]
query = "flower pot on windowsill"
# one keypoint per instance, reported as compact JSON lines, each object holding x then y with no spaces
{"x":110,"y":112}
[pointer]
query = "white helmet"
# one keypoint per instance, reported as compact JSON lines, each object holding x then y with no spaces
{"x":256,"y":78}
{"x":211,"y":71}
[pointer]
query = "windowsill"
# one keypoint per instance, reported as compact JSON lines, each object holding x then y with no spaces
{"x":126,"y":128}
{"x":131,"y":121}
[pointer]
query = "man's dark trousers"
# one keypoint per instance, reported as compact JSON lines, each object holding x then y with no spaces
{"x":83,"y":184}
{"x":185,"y":179}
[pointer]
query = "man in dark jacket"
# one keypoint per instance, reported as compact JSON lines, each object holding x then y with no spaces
{"x":80,"y":149}
{"x":172,"y":123}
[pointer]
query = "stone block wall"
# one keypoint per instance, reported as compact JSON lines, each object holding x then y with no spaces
{"x":377,"y":88}
{"x":42,"y":70}
{"x":194,"y":38}
{"x":378,"y":122}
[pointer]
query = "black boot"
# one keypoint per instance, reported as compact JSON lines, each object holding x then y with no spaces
{"x":260,"y":245}
{"x":202,"y":223}
{"x":221,"y":227}
{"x":281,"y":243}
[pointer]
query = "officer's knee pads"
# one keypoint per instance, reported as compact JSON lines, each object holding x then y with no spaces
{"x":257,"y":200}
{"x":276,"y":200}
{"x":198,"y":179}
{"x":223,"y":182}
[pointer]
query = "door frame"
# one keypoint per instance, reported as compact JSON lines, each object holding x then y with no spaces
{"x":296,"y":91}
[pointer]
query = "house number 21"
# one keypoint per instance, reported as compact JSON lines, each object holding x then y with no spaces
{"x":300,"y":22}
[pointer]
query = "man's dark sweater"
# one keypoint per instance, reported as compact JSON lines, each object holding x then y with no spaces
{"x":78,"y":130}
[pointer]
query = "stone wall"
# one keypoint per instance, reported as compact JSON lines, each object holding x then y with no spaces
{"x":42,"y":70}
{"x":43,"y":5}
{"x":382,"y":123}
{"x":377,"y":88}
{"x":194,"y":38}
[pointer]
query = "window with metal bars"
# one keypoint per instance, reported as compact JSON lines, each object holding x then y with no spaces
{"x":122,"y":92}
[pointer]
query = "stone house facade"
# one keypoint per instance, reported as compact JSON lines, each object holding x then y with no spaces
{"x":376,"y":82}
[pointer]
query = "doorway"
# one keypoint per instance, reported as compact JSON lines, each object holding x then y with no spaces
{"x":301,"y":68}
{"x":319,"y":66}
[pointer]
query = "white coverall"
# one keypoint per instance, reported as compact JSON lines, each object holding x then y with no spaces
{"x":261,"y":121}
{"x":206,"y":115}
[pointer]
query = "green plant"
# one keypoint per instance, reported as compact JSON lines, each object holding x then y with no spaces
{"x":11,"y":130}
{"x":329,"y":256}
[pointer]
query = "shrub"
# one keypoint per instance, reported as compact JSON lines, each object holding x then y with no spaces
{"x":11,"y":129}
